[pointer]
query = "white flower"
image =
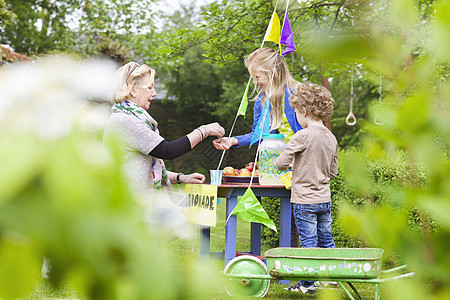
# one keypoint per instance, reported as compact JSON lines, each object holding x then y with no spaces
{"x":49,"y":97}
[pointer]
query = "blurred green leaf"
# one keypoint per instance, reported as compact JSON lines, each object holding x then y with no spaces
{"x":355,"y":171}
{"x":383,"y":226}
{"x":20,"y":264}
{"x":403,"y":13}
{"x":350,"y":220}
{"x":440,"y":29}
{"x":341,"y":47}
{"x":413,"y":115}
{"x":20,"y":164}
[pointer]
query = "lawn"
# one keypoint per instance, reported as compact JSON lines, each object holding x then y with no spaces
{"x":276,"y":290}
{"x":191,"y":248}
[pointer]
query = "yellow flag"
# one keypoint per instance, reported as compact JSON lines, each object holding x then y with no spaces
{"x":273,"y":32}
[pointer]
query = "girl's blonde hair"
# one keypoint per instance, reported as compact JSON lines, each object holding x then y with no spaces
{"x":316,"y":100}
{"x":131,"y":76}
{"x":270,"y":62}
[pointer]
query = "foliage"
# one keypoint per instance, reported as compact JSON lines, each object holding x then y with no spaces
{"x":204,"y":156}
{"x":195,"y":85}
{"x":5,"y":14}
{"x":409,"y":216}
{"x":387,"y":173}
{"x":73,"y":25}
{"x":406,"y":43}
{"x":113,"y":50}
{"x":415,"y":117}
{"x":230,"y":30}
{"x":402,"y":208}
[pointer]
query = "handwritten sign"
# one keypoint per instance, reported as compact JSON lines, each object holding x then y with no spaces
{"x":202,"y":202}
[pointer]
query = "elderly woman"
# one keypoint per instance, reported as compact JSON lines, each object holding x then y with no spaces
{"x":144,"y":148}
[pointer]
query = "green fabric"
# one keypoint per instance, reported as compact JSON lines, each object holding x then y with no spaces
{"x":244,"y":102}
{"x":250,"y":209}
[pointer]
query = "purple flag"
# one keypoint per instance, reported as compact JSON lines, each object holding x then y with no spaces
{"x":287,"y":37}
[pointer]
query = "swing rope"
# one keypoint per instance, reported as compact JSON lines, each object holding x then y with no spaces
{"x":350,"y":114}
{"x":379,"y":102}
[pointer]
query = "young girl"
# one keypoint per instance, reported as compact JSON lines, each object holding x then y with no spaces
{"x":314,"y":154}
{"x":271,"y":75}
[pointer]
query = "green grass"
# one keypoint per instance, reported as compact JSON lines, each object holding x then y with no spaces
{"x":44,"y":290}
{"x":191,"y":249}
{"x":276,"y":290}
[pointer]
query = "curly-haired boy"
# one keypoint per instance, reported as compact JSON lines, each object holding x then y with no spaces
{"x":313,"y":152}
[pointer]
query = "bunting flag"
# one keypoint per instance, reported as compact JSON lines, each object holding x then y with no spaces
{"x":273,"y":30}
{"x":250,"y":209}
{"x":244,"y":101}
{"x":287,"y":37}
{"x":263,"y":126}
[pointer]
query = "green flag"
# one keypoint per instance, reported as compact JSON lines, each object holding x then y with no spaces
{"x":244,"y":101}
{"x":249,"y":209}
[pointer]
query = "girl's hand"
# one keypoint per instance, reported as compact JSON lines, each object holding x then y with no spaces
{"x":194,"y":178}
{"x":224,"y":143}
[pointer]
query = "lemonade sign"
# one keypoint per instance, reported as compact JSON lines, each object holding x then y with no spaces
{"x":202,"y":204}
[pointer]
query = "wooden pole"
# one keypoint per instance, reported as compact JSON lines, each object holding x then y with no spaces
{"x":325,"y":84}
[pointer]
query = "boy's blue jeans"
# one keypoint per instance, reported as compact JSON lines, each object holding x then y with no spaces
{"x":313,"y":223}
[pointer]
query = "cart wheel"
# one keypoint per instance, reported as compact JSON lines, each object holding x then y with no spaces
{"x":246,"y":264}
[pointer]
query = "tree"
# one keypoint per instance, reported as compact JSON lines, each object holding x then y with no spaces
{"x":76,"y":26}
{"x":230,"y":30}
{"x":5,"y":14}
{"x":201,"y":91}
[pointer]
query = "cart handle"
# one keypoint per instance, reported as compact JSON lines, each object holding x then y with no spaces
{"x":249,"y":276}
{"x":411,"y":274}
{"x":268,"y":277}
{"x":394,"y":269}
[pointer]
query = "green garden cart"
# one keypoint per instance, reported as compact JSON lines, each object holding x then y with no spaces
{"x":247,"y":275}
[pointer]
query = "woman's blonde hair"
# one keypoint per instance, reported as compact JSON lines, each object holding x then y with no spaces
{"x":316,"y":100}
{"x":270,"y":62}
{"x":131,"y":76}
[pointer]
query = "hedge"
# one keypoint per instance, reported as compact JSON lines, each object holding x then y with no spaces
{"x":387,"y":173}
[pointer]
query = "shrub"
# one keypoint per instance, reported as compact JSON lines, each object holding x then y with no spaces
{"x":386,"y":173}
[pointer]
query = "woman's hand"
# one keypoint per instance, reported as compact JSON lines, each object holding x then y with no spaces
{"x":225,"y":143}
{"x":213,"y":129}
{"x":195,"y":178}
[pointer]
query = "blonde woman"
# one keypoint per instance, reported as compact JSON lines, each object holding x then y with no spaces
{"x":143,"y":147}
{"x":271,"y":76}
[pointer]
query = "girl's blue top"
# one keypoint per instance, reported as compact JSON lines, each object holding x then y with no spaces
{"x":244,"y":140}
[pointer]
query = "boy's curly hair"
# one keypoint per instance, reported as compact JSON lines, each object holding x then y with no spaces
{"x":314,"y":98}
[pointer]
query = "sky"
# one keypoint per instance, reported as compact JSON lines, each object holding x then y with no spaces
{"x":168,"y":6}
{"x":174,"y":4}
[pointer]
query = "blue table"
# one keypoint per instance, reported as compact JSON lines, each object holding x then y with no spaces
{"x":231,"y":192}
